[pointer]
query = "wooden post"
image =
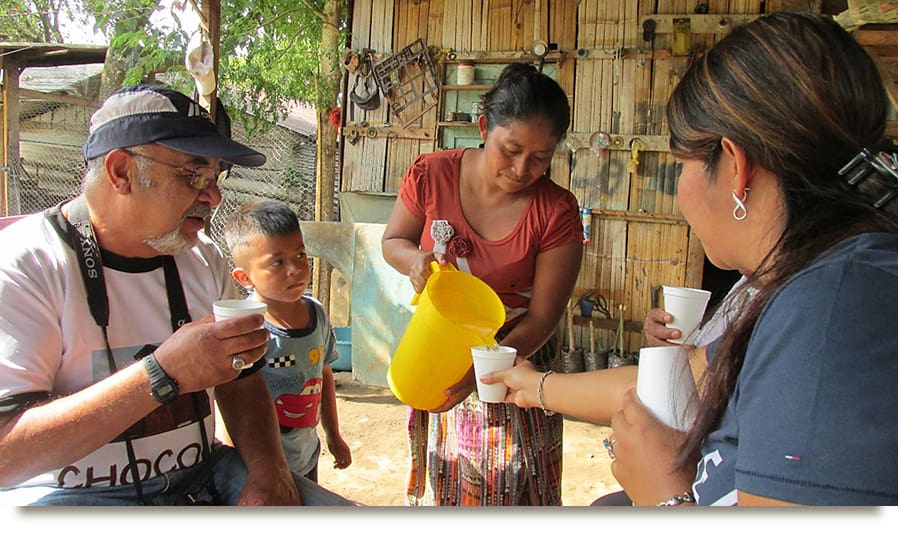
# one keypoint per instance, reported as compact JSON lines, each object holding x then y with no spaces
{"x":327,"y":143}
{"x":211,"y":12}
{"x":10,"y":124}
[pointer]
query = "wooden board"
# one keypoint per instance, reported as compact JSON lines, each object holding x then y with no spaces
{"x":617,"y":82}
{"x":401,"y":151}
{"x":365,"y":161}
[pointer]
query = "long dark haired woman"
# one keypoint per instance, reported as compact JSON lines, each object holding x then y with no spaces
{"x":786,"y":176}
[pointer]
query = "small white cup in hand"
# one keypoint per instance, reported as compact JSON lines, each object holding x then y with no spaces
{"x":492,"y":359}
{"x":687,"y":306}
{"x":664,"y":383}
{"x":223,"y":309}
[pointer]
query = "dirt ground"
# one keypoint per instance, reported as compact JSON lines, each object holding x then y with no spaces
{"x":372,"y":421}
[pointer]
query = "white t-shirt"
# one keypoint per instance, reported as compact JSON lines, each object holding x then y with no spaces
{"x":50,"y":343}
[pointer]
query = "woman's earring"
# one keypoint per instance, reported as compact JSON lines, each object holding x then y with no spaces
{"x":740,"y":211}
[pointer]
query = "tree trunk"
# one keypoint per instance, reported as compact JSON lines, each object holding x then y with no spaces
{"x":118,"y":58}
{"x":329,"y":82}
{"x":114,"y":70}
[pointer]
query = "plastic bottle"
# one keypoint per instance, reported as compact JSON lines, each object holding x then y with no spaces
{"x":586,"y":218}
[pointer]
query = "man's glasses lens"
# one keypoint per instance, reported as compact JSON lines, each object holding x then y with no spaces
{"x":198,"y":178}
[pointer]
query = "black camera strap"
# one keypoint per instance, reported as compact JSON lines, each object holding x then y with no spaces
{"x":78,"y":232}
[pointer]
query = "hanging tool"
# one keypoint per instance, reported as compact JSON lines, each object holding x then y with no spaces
{"x":636,"y":146}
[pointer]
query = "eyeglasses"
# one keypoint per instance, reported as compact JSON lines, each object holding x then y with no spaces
{"x":198,"y":178}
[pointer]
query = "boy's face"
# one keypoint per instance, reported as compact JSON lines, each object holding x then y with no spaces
{"x":277,"y":267}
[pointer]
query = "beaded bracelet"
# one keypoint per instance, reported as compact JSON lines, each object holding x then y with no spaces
{"x":539,"y":392}
{"x":677,"y":500}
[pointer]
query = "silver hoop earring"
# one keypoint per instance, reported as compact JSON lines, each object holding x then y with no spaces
{"x":740,"y":211}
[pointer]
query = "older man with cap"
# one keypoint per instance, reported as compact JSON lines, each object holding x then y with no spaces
{"x":109,"y":357}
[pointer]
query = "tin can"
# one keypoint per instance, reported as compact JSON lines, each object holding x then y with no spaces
{"x":465,"y":74}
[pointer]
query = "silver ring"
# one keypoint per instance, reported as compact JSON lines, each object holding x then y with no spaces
{"x":609,"y":445}
{"x":237,"y":362}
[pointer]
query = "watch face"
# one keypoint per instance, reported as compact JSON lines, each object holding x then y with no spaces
{"x":166,"y":391}
{"x":163,"y":388}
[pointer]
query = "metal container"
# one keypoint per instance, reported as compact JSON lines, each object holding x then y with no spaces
{"x":465,"y":74}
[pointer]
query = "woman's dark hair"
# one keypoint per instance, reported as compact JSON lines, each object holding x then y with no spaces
{"x":522,"y":93}
{"x":801,"y":97}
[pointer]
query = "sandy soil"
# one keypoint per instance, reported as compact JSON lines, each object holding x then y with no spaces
{"x":372,"y":422}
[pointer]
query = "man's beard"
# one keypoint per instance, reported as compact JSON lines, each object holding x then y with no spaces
{"x":175,"y":241}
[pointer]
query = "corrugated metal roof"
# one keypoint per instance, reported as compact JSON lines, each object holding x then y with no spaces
{"x":52,"y":54}
{"x":68,"y":79}
{"x":55,"y":68}
{"x":302,"y":119}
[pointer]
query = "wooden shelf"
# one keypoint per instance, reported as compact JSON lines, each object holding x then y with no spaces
{"x":698,"y":23}
{"x":618,"y":142}
{"x":468,"y":87}
{"x":498,"y":56}
{"x":456,"y":124}
{"x":384,"y":131}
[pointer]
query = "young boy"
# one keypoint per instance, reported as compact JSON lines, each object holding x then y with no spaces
{"x":270,"y":261}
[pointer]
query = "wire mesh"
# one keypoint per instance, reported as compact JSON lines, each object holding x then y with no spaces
{"x":49,"y":167}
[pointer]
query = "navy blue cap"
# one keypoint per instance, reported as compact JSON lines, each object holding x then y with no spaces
{"x":146,"y":113}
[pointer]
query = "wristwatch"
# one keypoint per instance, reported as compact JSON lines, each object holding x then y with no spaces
{"x":163,"y":387}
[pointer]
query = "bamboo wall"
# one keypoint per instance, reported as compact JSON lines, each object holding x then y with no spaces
{"x":617,"y":82}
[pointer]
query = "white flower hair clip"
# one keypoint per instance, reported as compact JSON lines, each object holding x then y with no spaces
{"x":441,"y":232}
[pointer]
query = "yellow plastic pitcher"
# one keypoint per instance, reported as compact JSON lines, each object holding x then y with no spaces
{"x":455,"y":311}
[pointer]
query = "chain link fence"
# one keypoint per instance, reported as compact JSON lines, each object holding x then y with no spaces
{"x":49,"y":168}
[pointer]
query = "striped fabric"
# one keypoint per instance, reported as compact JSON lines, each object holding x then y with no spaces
{"x":484,"y":454}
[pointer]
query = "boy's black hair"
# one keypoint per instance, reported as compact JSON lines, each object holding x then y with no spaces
{"x":261,"y":217}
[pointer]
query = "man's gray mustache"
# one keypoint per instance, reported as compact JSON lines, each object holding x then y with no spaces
{"x":199,"y":211}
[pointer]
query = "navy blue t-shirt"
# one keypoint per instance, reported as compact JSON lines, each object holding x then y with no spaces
{"x":812,"y":419}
